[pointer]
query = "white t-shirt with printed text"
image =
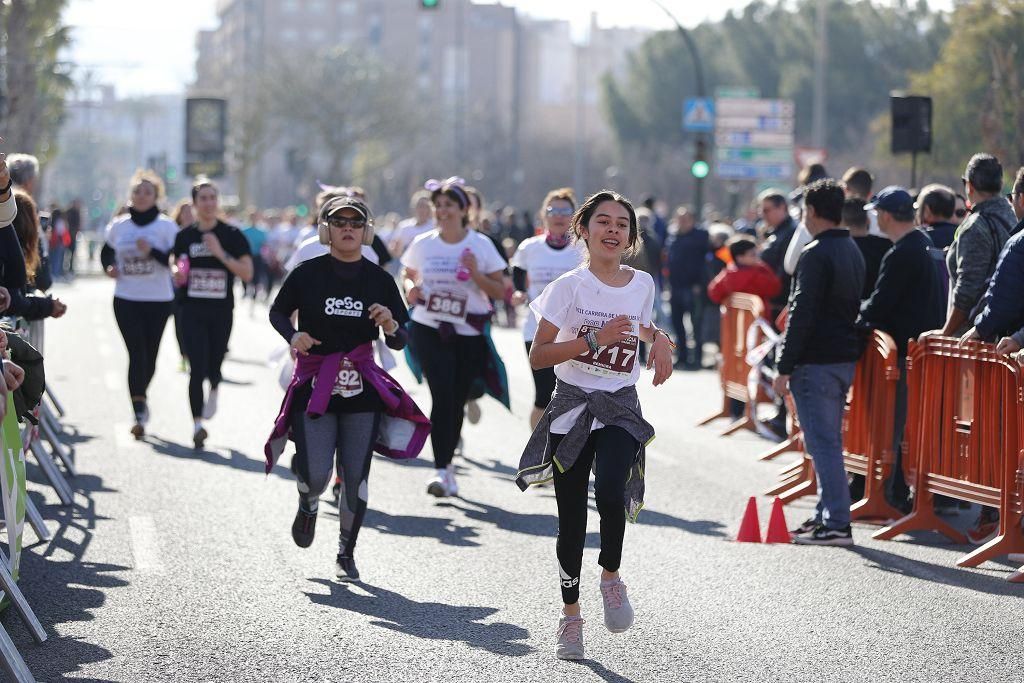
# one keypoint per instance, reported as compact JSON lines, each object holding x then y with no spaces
{"x":543,"y":265}
{"x":447,"y":299}
{"x":142,"y":278}
{"x":407,"y":231}
{"x":578,"y":302}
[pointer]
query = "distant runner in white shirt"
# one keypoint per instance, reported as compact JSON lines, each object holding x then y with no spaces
{"x":411,"y":228}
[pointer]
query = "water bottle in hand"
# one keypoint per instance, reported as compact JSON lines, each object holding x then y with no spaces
{"x":462,"y":272}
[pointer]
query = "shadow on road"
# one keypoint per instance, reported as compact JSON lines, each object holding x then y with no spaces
{"x":429,"y":620}
{"x":234,"y":458}
{"x":949,"y":575}
{"x":604,"y":672}
{"x":444,"y":530}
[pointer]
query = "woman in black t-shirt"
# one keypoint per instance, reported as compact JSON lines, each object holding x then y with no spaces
{"x":343,"y":301}
{"x":208,"y":256}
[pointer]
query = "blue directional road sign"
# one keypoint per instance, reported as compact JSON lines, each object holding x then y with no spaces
{"x":699,"y":114}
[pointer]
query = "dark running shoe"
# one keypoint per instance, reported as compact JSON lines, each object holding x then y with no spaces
{"x":199,"y":438}
{"x":345,"y":569}
{"x":336,"y":492}
{"x":138,"y":431}
{"x":822,"y":535}
{"x":304,"y":528}
{"x":806,"y":527}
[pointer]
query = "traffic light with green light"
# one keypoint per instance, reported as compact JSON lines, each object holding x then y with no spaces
{"x":700,"y":167}
{"x":429,"y":4}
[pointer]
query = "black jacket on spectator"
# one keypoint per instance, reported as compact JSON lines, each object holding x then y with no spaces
{"x":824,"y":304}
{"x":687,"y":254}
{"x":941,"y":234}
{"x":774,"y":255}
{"x":908,"y":298}
{"x":1003,"y":313}
{"x":1018,"y":228}
{"x":873,"y":248}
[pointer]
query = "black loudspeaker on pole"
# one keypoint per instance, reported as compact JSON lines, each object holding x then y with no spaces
{"x":911,"y":127}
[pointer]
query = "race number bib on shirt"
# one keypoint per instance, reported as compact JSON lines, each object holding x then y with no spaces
{"x":616,"y":360}
{"x":137,"y":266}
{"x":349,"y":382}
{"x":447,"y":306}
{"x":207,"y":283}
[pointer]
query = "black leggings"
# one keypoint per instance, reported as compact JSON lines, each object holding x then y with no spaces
{"x":206,"y":330}
{"x":611,"y":451}
{"x":450,"y":368}
{"x":142,"y":327}
{"x":543,"y":383}
{"x":176,"y":306}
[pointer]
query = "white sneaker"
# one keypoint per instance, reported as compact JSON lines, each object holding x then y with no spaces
{"x":570,"y":638}
{"x":210,"y":407}
{"x":453,"y":487}
{"x":438,"y":484}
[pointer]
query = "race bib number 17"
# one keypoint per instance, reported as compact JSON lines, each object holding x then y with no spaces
{"x":616,"y":360}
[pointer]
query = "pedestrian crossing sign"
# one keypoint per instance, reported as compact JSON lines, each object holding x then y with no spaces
{"x":699,"y":114}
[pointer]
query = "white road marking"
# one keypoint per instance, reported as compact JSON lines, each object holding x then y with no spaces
{"x":144,"y":545}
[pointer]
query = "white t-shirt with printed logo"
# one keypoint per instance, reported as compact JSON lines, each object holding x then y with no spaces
{"x":543,"y":265}
{"x":578,"y":302}
{"x":445,"y":297}
{"x":142,"y":278}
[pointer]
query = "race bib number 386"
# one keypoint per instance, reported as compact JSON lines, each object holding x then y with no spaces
{"x":447,"y":306}
{"x":616,"y":360}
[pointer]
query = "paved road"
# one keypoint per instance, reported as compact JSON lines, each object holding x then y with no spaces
{"x":178,"y":566}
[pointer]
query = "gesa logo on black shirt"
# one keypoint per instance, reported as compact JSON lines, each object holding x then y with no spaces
{"x":348,"y":307}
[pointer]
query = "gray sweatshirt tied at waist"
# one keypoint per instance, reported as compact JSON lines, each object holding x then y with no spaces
{"x":618,"y":409}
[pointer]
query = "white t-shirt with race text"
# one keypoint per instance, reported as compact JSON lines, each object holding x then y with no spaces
{"x":407,"y":231}
{"x":142,"y":278}
{"x":447,"y":299}
{"x":577,"y":303}
{"x":543,"y":265}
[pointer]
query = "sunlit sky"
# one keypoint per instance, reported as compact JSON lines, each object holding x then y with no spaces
{"x":148,"y":46}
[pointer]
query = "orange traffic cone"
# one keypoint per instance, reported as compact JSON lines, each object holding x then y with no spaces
{"x":777,"y":531}
{"x":750,"y":527}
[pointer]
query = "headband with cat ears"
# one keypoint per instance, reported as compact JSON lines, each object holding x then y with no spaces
{"x":455,"y":184}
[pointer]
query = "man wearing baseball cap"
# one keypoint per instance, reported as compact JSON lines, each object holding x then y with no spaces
{"x":908,"y":299}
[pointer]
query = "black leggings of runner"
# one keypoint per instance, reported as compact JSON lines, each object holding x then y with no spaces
{"x":142,"y":327}
{"x":450,"y":368}
{"x":178,"y":326}
{"x":611,"y":452}
{"x":317,"y":440}
{"x":543,"y":383}
{"x":206,"y":330}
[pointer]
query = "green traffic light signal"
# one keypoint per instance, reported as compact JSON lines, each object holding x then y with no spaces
{"x":429,"y":4}
{"x":700,"y":169}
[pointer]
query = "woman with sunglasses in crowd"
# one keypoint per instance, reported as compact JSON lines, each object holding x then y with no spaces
{"x":538,"y":262}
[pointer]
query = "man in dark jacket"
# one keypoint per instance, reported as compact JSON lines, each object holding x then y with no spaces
{"x":1017,"y":201}
{"x":687,"y":253}
{"x":780,"y":229}
{"x":908,"y":299}
{"x":1002,"y":318}
{"x":820,"y":348}
{"x":935,"y":207}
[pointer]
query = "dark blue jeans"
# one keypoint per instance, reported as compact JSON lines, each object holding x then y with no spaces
{"x":820,"y":395}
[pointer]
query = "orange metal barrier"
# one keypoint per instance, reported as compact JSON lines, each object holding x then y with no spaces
{"x":867,"y":434}
{"x":968,"y":440}
{"x":739,"y":312}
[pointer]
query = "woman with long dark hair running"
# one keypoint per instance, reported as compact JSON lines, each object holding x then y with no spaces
{"x":135,"y":253}
{"x":591,"y":322}
{"x":208,"y":256}
{"x":451,"y":274}
{"x":538,"y":262}
{"x":339,"y":396}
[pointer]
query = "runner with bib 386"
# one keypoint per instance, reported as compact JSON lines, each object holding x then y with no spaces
{"x":591,"y":320}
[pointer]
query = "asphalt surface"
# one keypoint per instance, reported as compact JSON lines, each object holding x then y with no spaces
{"x":175,"y":565}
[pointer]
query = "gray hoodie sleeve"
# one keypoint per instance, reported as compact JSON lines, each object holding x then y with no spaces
{"x":974,"y":264}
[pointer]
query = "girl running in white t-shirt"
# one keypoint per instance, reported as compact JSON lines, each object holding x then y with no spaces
{"x":591,"y":322}
{"x":537,"y":262}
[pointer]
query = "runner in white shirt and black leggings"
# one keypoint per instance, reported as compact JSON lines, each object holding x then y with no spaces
{"x":208,"y":255}
{"x":450,"y":275}
{"x":136,"y":252}
{"x":592,"y":320}
{"x":537,"y":262}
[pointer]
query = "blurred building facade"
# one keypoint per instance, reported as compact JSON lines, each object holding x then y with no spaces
{"x":508,"y":87}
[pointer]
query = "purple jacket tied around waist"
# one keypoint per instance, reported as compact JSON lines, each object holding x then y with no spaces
{"x":403,"y":428}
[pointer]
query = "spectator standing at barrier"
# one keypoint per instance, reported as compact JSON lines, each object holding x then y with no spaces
{"x":801,"y":237}
{"x":23,"y":301}
{"x":971,"y":259}
{"x":908,"y":299}
{"x":820,"y":348}
{"x":872,"y":247}
{"x":780,"y":228}
{"x":687,"y":251}
{"x":747,"y":274}
{"x":935,"y":207}
{"x":73,"y":215}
